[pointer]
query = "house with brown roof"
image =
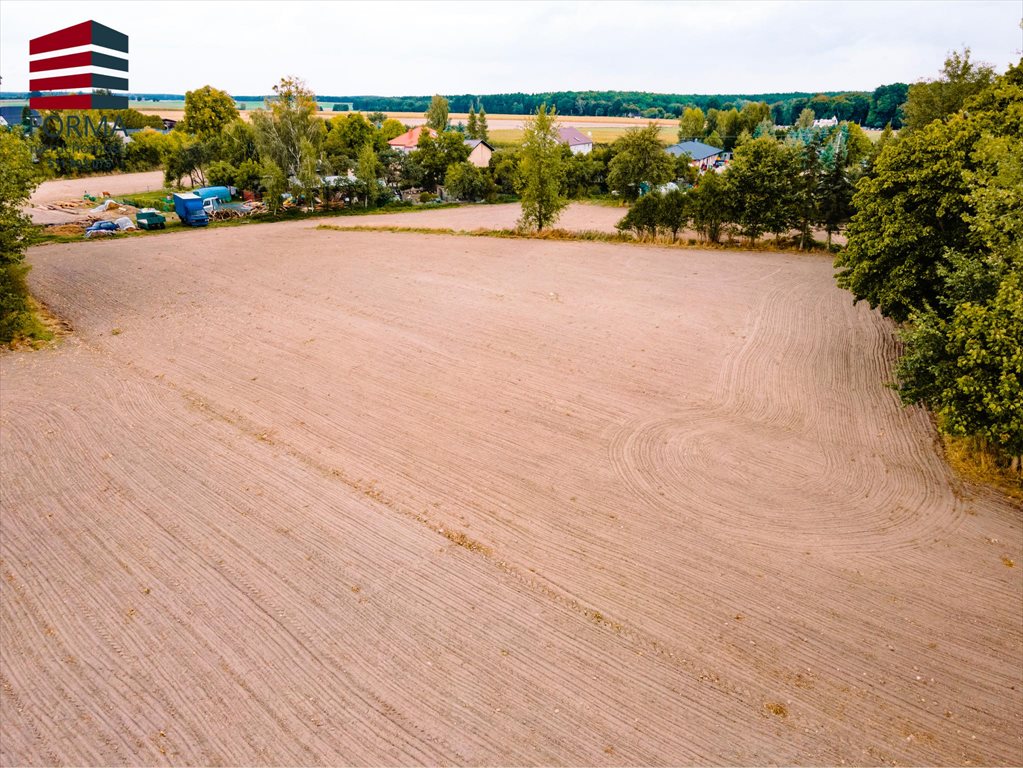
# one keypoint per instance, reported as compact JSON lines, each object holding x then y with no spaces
{"x":578,"y":142}
{"x":409,"y":141}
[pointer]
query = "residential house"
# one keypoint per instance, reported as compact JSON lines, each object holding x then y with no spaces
{"x":703,"y":156}
{"x":826,"y":122}
{"x":479,"y":152}
{"x":408,"y":141}
{"x":578,"y":142}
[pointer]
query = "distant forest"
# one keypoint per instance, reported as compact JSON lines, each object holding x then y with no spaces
{"x":872,"y":109}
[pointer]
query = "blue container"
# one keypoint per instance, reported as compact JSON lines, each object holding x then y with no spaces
{"x":223,"y":194}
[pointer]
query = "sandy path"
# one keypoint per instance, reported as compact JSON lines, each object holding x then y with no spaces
{"x":577,"y":216}
{"x":115,"y":184}
{"x":385,"y":498}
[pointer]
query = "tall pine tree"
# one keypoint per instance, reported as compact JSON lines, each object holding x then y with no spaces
{"x":471,"y":128}
{"x":481,"y":124}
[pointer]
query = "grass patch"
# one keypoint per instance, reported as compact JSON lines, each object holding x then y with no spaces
{"x":660,"y":241}
{"x":973,"y":460}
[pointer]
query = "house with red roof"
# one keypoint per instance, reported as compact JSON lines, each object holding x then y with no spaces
{"x":409,"y":141}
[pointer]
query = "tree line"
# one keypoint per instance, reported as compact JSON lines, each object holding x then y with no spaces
{"x":793,"y":183}
{"x":936,"y":243}
{"x":873,"y":109}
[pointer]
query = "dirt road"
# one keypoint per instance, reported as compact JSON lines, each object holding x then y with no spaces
{"x":577,"y":216}
{"x":115,"y":184}
{"x":299,"y":496}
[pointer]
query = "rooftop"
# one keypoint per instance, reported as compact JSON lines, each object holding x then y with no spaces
{"x":695,"y":149}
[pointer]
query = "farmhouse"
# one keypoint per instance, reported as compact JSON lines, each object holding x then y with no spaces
{"x":408,"y":141}
{"x":703,"y":156}
{"x":825,"y":122}
{"x":479,"y":152}
{"x":578,"y":142}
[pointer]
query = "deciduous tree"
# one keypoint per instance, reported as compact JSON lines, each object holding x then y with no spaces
{"x":541,"y":170}
{"x":18,"y":179}
{"x":691,"y":124}
{"x":437,"y":114}
{"x":639,"y":157}
{"x":207,"y":111}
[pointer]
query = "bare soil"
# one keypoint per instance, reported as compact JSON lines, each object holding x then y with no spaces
{"x":314,"y":497}
{"x":116,"y":184}
{"x":577,"y":216}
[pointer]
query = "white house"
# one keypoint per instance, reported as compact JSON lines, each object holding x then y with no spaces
{"x":825,"y":122}
{"x":480,"y":152}
{"x":578,"y":142}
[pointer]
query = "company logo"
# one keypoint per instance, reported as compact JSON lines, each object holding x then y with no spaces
{"x":79,"y":58}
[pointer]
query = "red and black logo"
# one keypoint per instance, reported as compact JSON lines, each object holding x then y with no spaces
{"x":84,"y":57}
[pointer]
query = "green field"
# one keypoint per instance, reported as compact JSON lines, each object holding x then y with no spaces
{"x":604,"y":135}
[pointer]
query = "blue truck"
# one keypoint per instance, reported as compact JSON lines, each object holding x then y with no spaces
{"x":189,"y":208}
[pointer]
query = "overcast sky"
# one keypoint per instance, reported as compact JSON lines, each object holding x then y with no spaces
{"x":412,"y":48}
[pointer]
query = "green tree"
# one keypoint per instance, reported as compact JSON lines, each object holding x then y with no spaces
{"x":17,"y":181}
{"x":435,"y":153}
{"x":936,"y":99}
{"x":504,"y":165}
{"x":145,"y":151}
{"x":691,"y":124}
{"x":584,"y":174}
{"x":185,"y":155}
{"x":221,"y":173}
{"x":541,"y":170}
{"x":639,"y":157}
{"x":249,"y":176}
{"x":464,"y":181}
{"x":936,"y":240}
{"x":274,"y":184}
{"x":437,"y":114}
{"x":471,"y":127}
{"x":729,"y":128}
{"x":288,"y":133}
{"x":760,"y":183}
{"x":908,"y":213}
{"x":806,"y":118}
{"x":969,"y":369}
{"x":346,"y":136}
{"x":368,"y":171}
{"x":643,"y":216}
{"x":674,"y":212}
{"x":752,"y":114}
{"x":710,"y":206}
{"x":207,"y":111}
{"x":388,"y":130}
{"x":236,"y":143}
{"x":482,"y":131}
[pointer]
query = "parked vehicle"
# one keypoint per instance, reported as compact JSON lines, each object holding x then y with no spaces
{"x":189,"y":208}
{"x":150,"y":220}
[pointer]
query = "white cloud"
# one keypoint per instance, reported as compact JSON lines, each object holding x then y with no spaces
{"x":402,"y":48}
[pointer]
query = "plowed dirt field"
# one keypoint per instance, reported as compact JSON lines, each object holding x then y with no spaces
{"x":305,"y":497}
